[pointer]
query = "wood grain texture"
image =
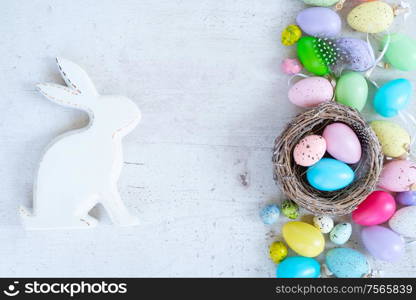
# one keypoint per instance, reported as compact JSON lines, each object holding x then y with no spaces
{"x":198,"y":168}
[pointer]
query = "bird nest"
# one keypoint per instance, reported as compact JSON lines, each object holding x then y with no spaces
{"x":292,"y":177}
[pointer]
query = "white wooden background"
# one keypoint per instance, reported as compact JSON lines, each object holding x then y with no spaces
{"x":197,"y":169}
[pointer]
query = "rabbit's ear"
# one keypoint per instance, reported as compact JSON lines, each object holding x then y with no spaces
{"x":65,"y":96}
{"x":75,"y":77}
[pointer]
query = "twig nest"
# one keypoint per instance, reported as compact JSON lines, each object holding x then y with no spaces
{"x":292,"y":177}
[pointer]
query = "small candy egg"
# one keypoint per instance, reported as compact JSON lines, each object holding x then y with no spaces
{"x":398,"y":176}
{"x":377,"y":208}
{"x":341,"y":233}
{"x":290,"y":209}
{"x":311,"y":91}
{"x":371,"y":17}
{"x":303,"y":238}
{"x":290,"y":35}
{"x":394,"y":140}
{"x":392,"y":97}
{"x":291,"y":66}
{"x":352,"y":90}
{"x":278,"y":252}
{"x":406,"y":198}
{"x":382,"y":243}
{"x":323,"y":223}
{"x":309,"y":150}
{"x":401,"y":53}
{"x":346,"y":263}
{"x":329,"y":175}
{"x":320,"y":2}
{"x":270,"y":214}
{"x":358,"y":55}
{"x":342,"y":143}
{"x":298,"y":267}
{"x":319,"y":21}
{"x":403,"y":221}
{"x":316,"y":54}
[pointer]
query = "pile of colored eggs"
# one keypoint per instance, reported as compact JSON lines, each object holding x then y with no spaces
{"x":329,"y":156}
{"x":324,"y":173}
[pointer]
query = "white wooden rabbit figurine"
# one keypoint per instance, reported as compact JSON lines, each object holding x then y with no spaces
{"x":80,"y":168}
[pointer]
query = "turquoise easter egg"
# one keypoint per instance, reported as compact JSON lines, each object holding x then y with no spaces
{"x":393,"y":97}
{"x":346,"y":263}
{"x":298,"y":267}
{"x":329,"y":174}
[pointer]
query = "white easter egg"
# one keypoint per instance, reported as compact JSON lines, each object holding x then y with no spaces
{"x":403,"y":221}
{"x":323,"y":223}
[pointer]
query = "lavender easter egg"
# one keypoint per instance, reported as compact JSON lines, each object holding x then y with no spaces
{"x":398,"y":176}
{"x":311,"y":91}
{"x":342,"y":143}
{"x":319,"y":21}
{"x":357,"y":54}
{"x":382,"y":243}
{"x":309,"y":150}
{"x":406,"y":198}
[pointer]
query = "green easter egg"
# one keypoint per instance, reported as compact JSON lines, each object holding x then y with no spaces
{"x":401,"y":53}
{"x":316,"y":54}
{"x":352,"y":90}
{"x":290,"y":209}
{"x":321,"y":2}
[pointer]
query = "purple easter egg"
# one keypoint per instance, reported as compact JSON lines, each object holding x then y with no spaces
{"x":406,"y":198}
{"x":319,"y":22}
{"x":382,"y":243}
{"x":357,"y":54}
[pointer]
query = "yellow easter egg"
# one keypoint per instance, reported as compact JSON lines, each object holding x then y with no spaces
{"x":291,"y":34}
{"x":394,"y":140}
{"x":303,"y":238}
{"x":371,"y":17}
{"x":278,"y":252}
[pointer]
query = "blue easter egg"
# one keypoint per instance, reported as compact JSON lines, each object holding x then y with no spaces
{"x":270,"y":214}
{"x":346,"y":263}
{"x":406,"y":198}
{"x":298,"y":267}
{"x":392,"y":97}
{"x":329,"y":174}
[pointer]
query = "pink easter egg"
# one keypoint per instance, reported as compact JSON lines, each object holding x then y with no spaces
{"x":291,"y":66}
{"x":342,"y":143}
{"x":309,"y":150}
{"x":398,"y":176}
{"x":311,"y":91}
{"x":377,"y":208}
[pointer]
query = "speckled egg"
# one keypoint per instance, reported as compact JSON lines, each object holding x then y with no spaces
{"x":394,"y":140}
{"x":357,"y":54}
{"x":270,"y":214}
{"x":403,"y":221}
{"x":309,"y":150}
{"x":319,"y":21}
{"x":341,"y":233}
{"x":323,"y":223}
{"x":371,"y":17}
{"x":346,"y":263}
{"x":291,"y":34}
{"x":320,"y":2}
{"x":311,"y":91}
{"x":290,"y":209}
{"x":398,"y":176}
{"x":278,"y":252}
